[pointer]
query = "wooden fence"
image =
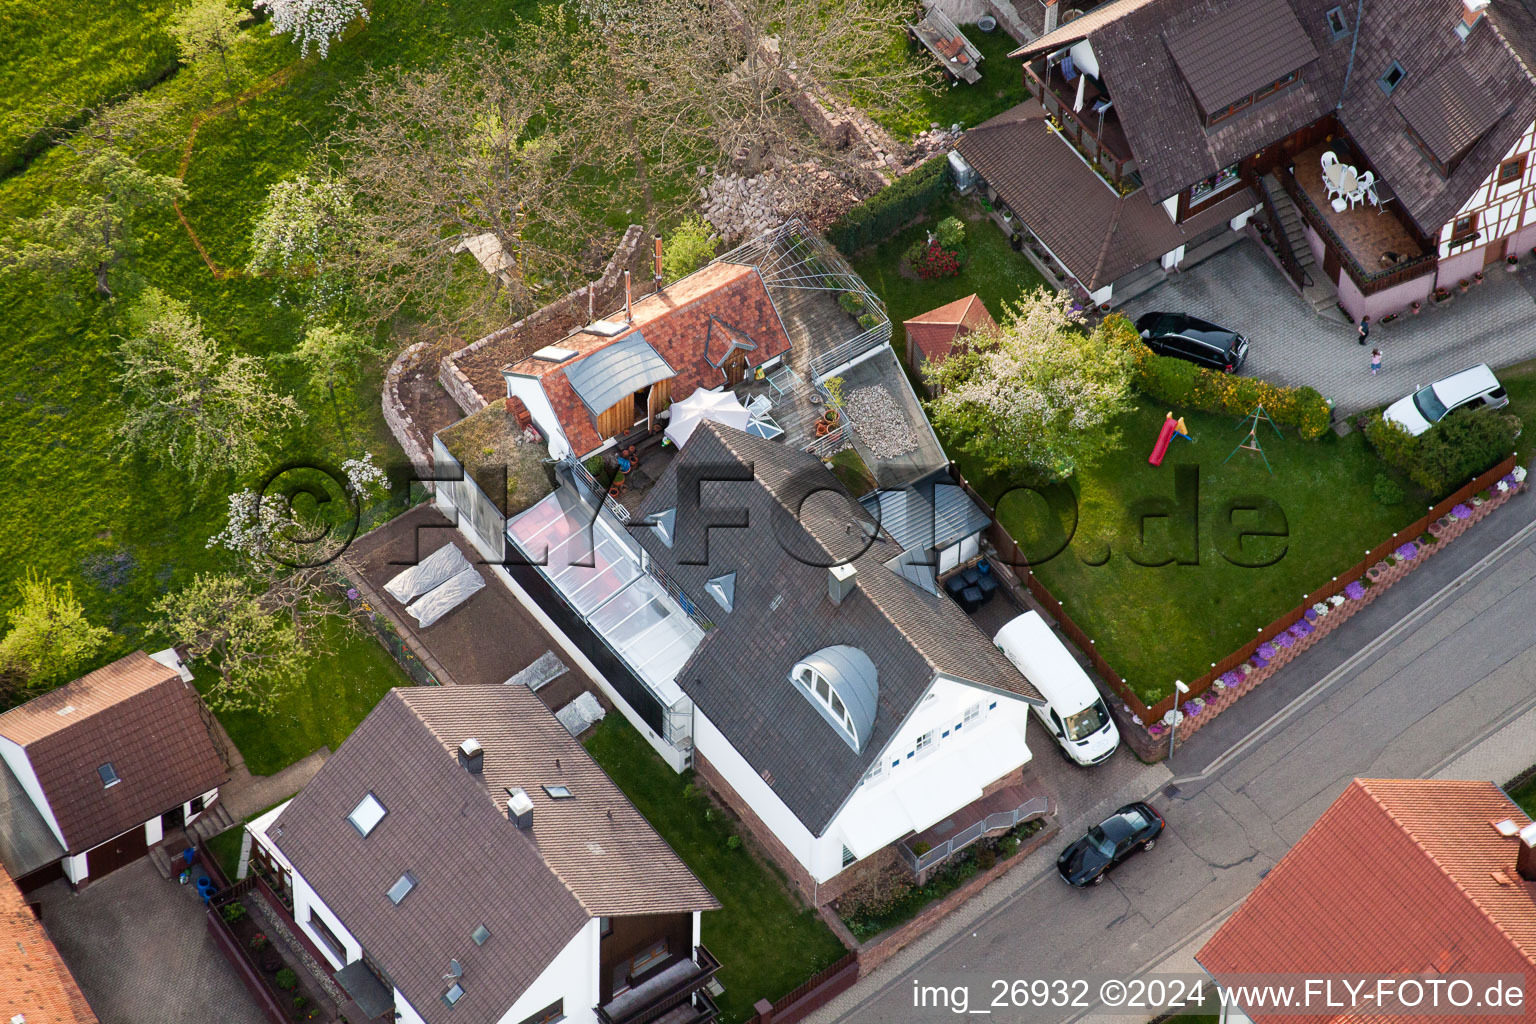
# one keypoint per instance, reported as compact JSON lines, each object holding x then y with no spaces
{"x":1009,"y":552}
{"x":819,"y":990}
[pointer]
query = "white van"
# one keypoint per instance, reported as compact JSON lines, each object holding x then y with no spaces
{"x":1075,"y":713}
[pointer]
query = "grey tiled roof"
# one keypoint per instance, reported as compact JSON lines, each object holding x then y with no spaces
{"x":586,"y":857}
{"x":1449,"y":109}
{"x":1239,"y":51}
{"x":739,"y":676}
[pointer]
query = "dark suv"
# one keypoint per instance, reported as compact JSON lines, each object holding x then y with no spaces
{"x":1189,"y":337}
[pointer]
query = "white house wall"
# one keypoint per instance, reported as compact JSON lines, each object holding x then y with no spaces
{"x":1501,"y":210}
{"x":571,"y":977}
{"x":532,"y":394}
{"x":999,"y":729}
{"x":1084,"y":59}
{"x":305,"y":900}
{"x":15,"y":757}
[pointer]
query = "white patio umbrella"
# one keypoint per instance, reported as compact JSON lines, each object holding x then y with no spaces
{"x":719,"y":406}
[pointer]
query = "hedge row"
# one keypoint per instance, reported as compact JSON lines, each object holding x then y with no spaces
{"x":1181,"y":383}
{"x":887,"y":211}
{"x":1451,"y":452}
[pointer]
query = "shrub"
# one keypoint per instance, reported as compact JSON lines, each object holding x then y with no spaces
{"x":1179,"y":382}
{"x":1386,"y":490}
{"x":690,"y":246}
{"x":1460,"y":446}
{"x":259,"y":941}
{"x":935,"y":261}
{"x":286,"y":979}
{"x":868,"y":320}
{"x":299,"y":1002}
{"x":852,"y":302}
{"x":950,"y":233}
{"x":233,"y":912}
{"x":733,"y":842}
{"x":887,"y":211}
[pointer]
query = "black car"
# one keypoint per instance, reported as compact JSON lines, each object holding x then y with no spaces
{"x":1131,"y":828}
{"x":1189,"y":337}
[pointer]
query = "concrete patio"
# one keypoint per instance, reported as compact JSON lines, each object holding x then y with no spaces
{"x":1494,"y":323}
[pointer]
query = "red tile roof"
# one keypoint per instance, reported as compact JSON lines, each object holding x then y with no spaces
{"x":935,"y":332}
{"x":136,"y":714}
{"x":691,"y":324}
{"x":35,"y":983}
{"x":1396,"y":877}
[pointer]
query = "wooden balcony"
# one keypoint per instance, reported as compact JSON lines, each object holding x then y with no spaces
{"x":1371,"y":243}
{"x":674,"y":994}
{"x":1098,"y":138}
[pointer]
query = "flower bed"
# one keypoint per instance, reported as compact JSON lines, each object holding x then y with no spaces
{"x":1320,"y":618}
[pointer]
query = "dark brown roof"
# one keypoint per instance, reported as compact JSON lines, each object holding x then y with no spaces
{"x":1449,"y":109}
{"x":800,"y":520}
{"x":35,"y":983}
{"x":1100,"y":235}
{"x":1238,"y":51}
{"x":533,"y":890}
{"x":1515,"y":23}
{"x":1397,"y":877}
{"x":136,"y":714}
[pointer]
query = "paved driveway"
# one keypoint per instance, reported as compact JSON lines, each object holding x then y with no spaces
{"x":1494,"y":323}
{"x":140,"y":949}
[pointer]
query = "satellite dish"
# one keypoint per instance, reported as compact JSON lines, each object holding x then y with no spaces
{"x":455,"y":970}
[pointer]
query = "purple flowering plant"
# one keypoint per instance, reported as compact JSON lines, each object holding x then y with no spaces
{"x":1355,"y":590}
{"x":1408,"y":551}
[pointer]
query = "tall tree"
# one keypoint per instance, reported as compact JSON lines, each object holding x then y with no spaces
{"x":313,"y":22}
{"x":333,"y":355}
{"x":206,"y":28}
{"x":1034,"y":396}
{"x":253,"y":646}
{"x":189,"y":403}
{"x":305,"y":223}
{"x":722,"y":77}
{"x":464,"y":158}
{"x":50,"y":640}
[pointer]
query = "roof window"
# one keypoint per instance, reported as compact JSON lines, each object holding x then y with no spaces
{"x":403,"y":885}
{"x":1391,"y":78}
{"x":480,"y":934}
{"x":1336,"y":23}
{"x":723,"y":590}
{"x":454,"y":994}
{"x":559,"y":792}
{"x":365,"y":817}
{"x":840,"y":683}
{"x":108,"y":775}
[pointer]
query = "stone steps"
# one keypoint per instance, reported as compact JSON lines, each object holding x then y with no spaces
{"x":211,"y":822}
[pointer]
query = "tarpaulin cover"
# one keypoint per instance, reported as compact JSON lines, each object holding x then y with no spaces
{"x":444,"y":598}
{"x":433,"y":571}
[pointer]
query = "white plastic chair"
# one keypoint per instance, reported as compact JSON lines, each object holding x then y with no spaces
{"x":1332,"y":173}
{"x":1366,"y":189}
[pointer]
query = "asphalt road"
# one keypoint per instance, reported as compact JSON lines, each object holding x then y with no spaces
{"x":1424,"y":674}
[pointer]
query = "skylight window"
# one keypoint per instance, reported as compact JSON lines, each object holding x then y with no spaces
{"x":1391,"y":78}
{"x":365,"y":817}
{"x":559,"y":792}
{"x":480,"y":934}
{"x":454,"y":994}
{"x":723,"y":590}
{"x":1336,"y":23}
{"x":108,"y":775}
{"x":402,"y":886}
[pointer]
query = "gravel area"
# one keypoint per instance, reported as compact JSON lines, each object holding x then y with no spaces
{"x":879,"y":421}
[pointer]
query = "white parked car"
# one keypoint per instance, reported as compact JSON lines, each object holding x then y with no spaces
{"x":1473,"y":388}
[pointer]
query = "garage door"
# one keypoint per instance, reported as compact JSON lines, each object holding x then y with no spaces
{"x":116,"y":853}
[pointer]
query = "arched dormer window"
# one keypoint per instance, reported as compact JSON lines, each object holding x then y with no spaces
{"x":841,"y":684}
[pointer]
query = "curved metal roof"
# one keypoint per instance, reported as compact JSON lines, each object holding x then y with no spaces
{"x":854,"y":677}
{"x":616,"y":370}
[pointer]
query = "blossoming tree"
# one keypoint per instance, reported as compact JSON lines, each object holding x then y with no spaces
{"x":1034,"y":397}
{"x":313,"y":22}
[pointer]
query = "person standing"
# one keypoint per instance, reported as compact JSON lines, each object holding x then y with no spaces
{"x":1375,"y":361}
{"x":1364,"y":329}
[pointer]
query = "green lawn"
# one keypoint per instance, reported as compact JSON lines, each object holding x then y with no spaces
{"x":72,"y":62}
{"x":993,"y":270}
{"x":848,"y":466}
{"x":1520,"y":382}
{"x":1001,"y":86}
{"x":1158,"y":624}
{"x":225,"y":848}
{"x":336,"y":693}
{"x":768,"y":942}
{"x":1525,"y":796}
{"x":121,"y":530}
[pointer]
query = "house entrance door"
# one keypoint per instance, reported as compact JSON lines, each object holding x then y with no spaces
{"x":735,"y":367}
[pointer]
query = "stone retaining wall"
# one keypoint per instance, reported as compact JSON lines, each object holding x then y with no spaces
{"x":400,"y":422}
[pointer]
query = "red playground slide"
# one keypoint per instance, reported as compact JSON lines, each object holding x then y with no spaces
{"x":1164,"y":438}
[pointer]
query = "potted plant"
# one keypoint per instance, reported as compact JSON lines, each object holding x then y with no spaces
{"x":1511,"y":263}
{"x":1441,"y":294}
{"x":1017,"y":241}
{"x":1477,"y":278}
{"x":1415,"y":306}
{"x":1463,"y":285}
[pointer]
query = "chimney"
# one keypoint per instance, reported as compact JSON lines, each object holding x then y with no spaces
{"x":1471,"y":14}
{"x":1051,"y":11}
{"x":657,"y":261}
{"x":520,"y":809}
{"x":1525,"y":860}
{"x":628,"y":316}
{"x":472,"y":756}
{"x":840,"y":582}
